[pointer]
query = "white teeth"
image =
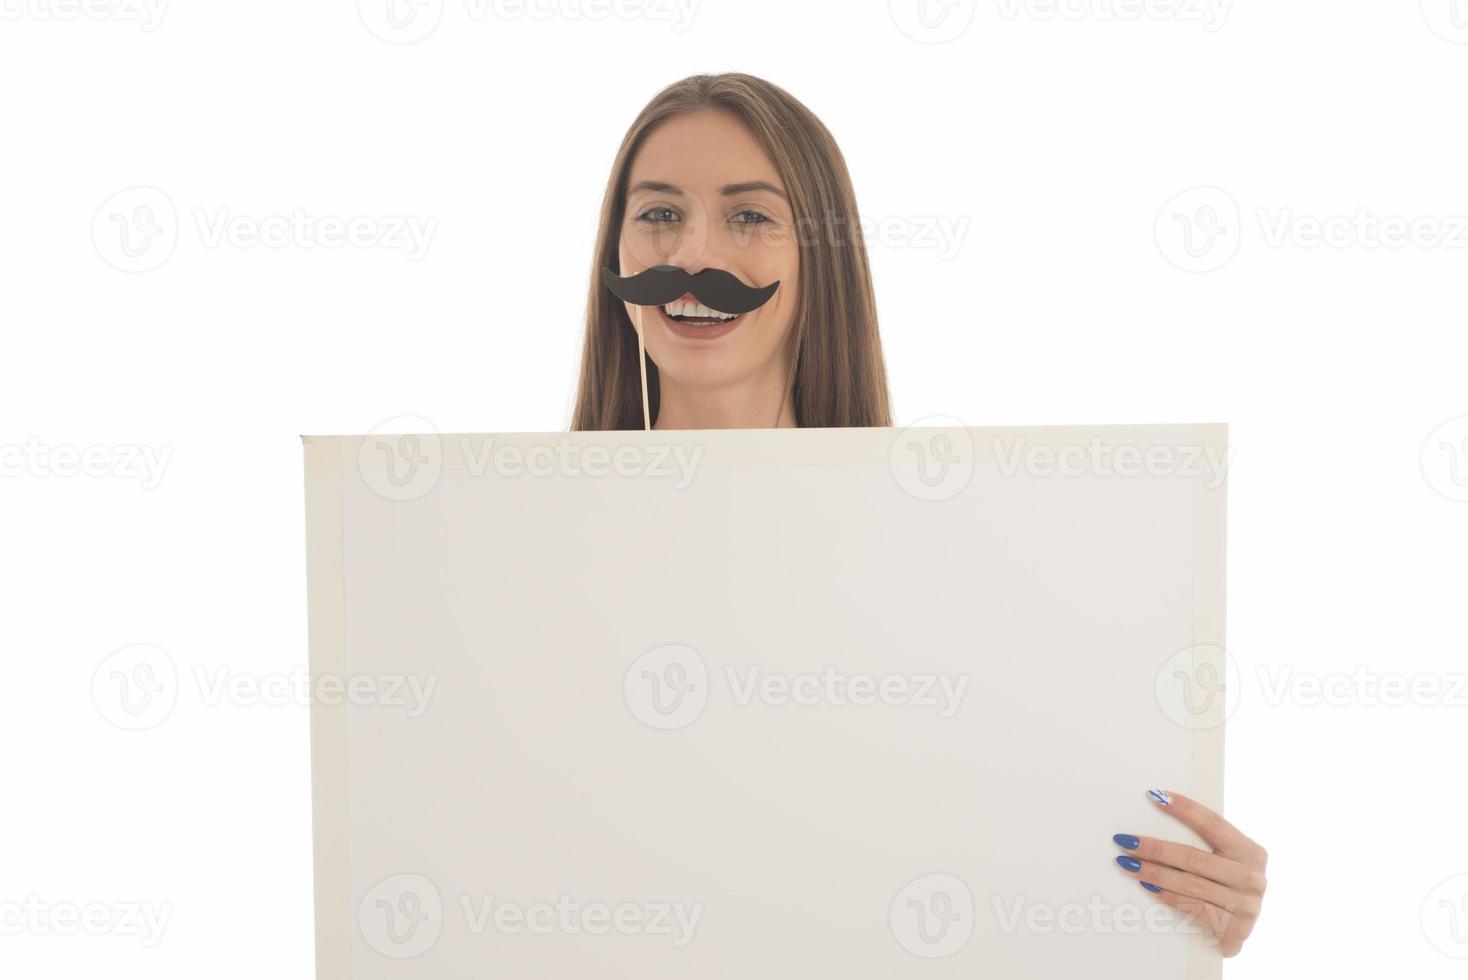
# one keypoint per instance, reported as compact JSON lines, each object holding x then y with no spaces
{"x":680,"y":308}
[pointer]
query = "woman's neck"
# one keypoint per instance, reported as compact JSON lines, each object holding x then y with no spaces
{"x":756,"y":404}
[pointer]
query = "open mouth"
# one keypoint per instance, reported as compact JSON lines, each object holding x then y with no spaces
{"x":696,"y":314}
{"x":689,"y":318}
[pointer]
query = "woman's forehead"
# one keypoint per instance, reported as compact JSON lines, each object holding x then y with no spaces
{"x":701,"y":153}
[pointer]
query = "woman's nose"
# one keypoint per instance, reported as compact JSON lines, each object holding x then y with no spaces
{"x":695,"y":247}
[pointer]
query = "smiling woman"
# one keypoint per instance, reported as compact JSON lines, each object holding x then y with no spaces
{"x":730,"y":289}
{"x":724,"y":187}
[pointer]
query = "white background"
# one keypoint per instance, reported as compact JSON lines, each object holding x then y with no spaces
{"x":1050,"y":143}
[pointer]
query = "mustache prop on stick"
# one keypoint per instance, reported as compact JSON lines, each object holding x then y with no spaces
{"x":661,"y":284}
{"x":714,"y":288}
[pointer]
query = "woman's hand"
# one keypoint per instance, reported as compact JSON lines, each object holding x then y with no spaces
{"x":1222,"y":888}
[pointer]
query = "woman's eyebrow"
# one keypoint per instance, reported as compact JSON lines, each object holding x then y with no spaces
{"x":728,"y":190}
{"x":654,"y":185}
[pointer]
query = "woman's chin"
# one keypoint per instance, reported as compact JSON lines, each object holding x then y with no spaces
{"x":708,"y":364}
{"x":705,"y":361}
{"x":697,"y":371}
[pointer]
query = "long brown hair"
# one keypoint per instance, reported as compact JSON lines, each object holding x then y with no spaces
{"x":839,"y":378}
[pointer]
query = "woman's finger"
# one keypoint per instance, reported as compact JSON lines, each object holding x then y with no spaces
{"x":1191,"y":885}
{"x":1204,"y":864}
{"x":1222,"y":836}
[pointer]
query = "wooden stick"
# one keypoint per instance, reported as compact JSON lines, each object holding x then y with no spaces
{"x":642,"y":365}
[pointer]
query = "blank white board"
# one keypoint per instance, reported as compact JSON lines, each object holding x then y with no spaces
{"x":855,"y":703}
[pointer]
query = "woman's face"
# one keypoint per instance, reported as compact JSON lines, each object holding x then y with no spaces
{"x":701,"y":193}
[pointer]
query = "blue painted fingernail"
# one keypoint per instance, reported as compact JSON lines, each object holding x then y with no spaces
{"x":1160,"y":796}
{"x":1127,"y":841}
{"x":1130,"y":863}
{"x":1151,"y":887}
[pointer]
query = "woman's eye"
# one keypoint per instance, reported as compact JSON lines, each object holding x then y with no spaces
{"x":750,"y":218}
{"x":658,"y":215}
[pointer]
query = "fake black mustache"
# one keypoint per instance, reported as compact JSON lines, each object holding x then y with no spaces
{"x":714,"y":288}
